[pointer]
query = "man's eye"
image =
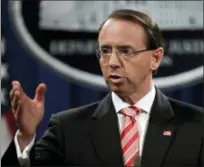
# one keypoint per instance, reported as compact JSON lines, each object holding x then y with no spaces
{"x":106,"y":51}
{"x":125,"y":51}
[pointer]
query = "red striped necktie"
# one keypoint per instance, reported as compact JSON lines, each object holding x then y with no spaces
{"x":130,"y":136}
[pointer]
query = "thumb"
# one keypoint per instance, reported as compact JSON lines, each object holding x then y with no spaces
{"x":40,"y":92}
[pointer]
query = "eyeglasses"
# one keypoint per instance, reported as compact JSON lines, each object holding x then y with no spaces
{"x":106,"y":53}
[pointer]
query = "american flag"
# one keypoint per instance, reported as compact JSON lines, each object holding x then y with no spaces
{"x":167,"y":133}
{"x":7,"y":121}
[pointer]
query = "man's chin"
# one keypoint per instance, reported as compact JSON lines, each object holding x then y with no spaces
{"x":115,"y":87}
{"x":118,"y":89}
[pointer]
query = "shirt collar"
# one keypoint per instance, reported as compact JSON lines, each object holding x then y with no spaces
{"x":145,"y":103}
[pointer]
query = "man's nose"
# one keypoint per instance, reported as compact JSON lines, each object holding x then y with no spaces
{"x":114,"y":61}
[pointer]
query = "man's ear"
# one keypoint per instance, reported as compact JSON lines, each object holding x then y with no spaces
{"x":157,"y":57}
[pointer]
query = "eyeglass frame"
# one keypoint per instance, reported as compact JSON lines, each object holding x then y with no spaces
{"x":98,"y":54}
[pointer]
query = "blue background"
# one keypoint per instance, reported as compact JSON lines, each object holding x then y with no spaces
{"x":61,"y":94}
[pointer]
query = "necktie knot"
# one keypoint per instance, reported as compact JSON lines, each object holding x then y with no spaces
{"x":130,"y":111}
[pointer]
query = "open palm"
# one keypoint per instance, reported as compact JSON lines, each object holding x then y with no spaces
{"x":27,"y":112}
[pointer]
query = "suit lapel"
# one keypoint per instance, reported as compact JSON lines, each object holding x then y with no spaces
{"x":160,"y":132}
{"x":104,"y":133}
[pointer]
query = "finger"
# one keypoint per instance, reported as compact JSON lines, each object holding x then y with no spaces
{"x":16,"y":113}
{"x":15,"y":99}
{"x":16,"y":83}
{"x":16,"y":91}
{"x":15,"y":88}
{"x":17,"y":104}
{"x":40,"y":92}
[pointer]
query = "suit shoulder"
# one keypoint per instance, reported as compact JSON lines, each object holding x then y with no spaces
{"x":82,"y":111}
{"x":189,"y":113}
{"x":186,"y":107}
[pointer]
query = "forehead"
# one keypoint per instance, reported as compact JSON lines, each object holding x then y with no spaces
{"x":119,"y":32}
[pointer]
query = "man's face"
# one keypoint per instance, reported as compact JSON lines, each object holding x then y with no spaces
{"x":124,"y":75}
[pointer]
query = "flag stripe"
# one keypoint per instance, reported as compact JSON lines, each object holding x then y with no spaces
{"x":8,"y":127}
{"x":6,"y":136}
{"x":10,"y":123}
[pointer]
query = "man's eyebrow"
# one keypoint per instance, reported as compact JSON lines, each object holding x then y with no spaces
{"x":124,"y":46}
{"x":117,"y":46}
{"x":105,"y":46}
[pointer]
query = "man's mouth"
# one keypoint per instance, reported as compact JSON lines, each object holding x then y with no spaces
{"x":114,"y":76}
{"x":115,"y":79}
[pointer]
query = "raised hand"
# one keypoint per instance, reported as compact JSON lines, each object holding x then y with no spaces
{"x":27,"y":112}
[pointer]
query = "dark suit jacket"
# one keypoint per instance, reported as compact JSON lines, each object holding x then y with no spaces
{"x":89,"y":136}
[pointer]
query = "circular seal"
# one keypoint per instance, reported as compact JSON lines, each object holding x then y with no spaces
{"x":63,"y":36}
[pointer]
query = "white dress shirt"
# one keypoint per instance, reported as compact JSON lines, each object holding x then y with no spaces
{"x":142,"y":119}
{"x":145,"y":104}
{"x":23,"y":157}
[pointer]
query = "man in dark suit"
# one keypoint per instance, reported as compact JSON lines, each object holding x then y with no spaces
{"x":135,"y":124}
